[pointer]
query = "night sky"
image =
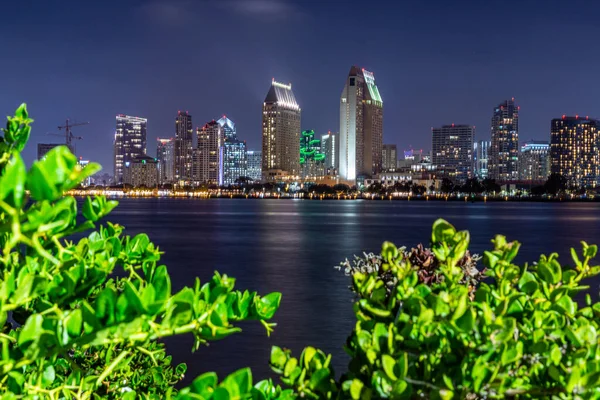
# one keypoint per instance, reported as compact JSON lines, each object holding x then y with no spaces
{"x":435,"y":62}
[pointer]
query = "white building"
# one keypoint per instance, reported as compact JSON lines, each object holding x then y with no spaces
{"x":361,"y":126}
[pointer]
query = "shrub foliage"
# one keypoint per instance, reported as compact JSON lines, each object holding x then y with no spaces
{"x":82,"y":319}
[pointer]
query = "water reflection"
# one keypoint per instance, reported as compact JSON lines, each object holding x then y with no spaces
{"x":292,"y":247}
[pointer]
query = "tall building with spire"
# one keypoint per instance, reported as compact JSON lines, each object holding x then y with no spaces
{"x":184,"y":146}
{"x":234,"y":161}
{"x":503,"y":164}
{"x":281,"y":132}
{"x":130,"y":142}
{"x":361,"y":126}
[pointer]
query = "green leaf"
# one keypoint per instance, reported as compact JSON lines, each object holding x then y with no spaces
{"x":12,"y":182}
{"x":442,"y":231}
{"x":239,"y":383}
{"x":48,"y":375}
{"x":278,"y":359}
{"x":268,"y":305}
{"x":389,"y":364}
{"x":355,"y":389}
{"x":205,"y":384}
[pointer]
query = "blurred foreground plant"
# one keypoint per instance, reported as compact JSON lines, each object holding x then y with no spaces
{"x":82,"y":319}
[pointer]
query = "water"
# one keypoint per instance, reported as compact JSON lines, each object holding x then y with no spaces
{"x":291,"y":246}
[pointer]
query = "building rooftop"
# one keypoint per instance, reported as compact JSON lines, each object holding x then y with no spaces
{"x":281,"y":94}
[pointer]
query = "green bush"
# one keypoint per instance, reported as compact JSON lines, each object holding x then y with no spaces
{"x":82,"y":320}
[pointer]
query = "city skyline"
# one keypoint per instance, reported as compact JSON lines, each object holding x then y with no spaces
{"x":438,"y":72}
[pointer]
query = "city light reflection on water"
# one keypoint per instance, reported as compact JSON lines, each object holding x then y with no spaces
{"x":292,"y":247}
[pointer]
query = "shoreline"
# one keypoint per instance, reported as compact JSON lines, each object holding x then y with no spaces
{"x":433,"y":198}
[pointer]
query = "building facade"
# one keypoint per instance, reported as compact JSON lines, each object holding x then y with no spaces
{"x":165,"y":154}
{"x":44,"y":148}
{"x":141,"y":171}
{"x":504,"y":149}
{"x":361,"y":126}
{"x":254,"y":168}
{"x":312,"y":160}
{"x":184,"y":145}
{"x":574,"y":150}
{"x":130,"y":142}
{"x":330,"y":146}
{"x":534,"y":161}
{"x":452,"y":148}
{"x":389,"y":157}
{"x":208,"y":157}
{"x":480,"y":159}
{"x":234,"y":161}
{"x":281,"y":132}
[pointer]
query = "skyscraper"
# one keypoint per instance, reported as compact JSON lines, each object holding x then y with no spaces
{"x":207,"y":165}
{"x":389,"y":157}
{"x":574,"y":150}
{"x":184,"y":145}
{"x":330,"y":146}
{"x":254,"y":170}
{"x":534,"y":161}
{"x":141,"y":171}
{"x":234,"y":161}
{"x":452,"y":148}
{"x":480,"y":158}
{"x":281,"y":131}
{"x":504,"y":149}
{"x":130,"y":142}
{"x":361,"y":126}
{"x":165,"y":154}
{"x":312,"y":160}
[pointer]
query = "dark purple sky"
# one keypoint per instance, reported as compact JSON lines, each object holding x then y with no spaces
{"x":435,"y":62}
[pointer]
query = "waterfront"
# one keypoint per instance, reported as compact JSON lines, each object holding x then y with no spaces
{"x":292,"y":247}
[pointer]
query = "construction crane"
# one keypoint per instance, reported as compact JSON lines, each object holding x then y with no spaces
{"x":68,"y":135}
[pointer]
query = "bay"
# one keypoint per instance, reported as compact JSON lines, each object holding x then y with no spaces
{"x":292,"y":246}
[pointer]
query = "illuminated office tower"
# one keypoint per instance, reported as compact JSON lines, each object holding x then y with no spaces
{"x":361,"y":126}
{"x":234,"y":160}
{"x":130,"y":142}
{"x":165,"y":154}
{"x":330,"y":146}
{"x":281,"y":132}
{"x":574,"y":150}
{"x":452,"y":149}
{"x":141,"y":171}
{"x":209,"y":154}
{"x":480,"y":158}
{"x":312,"y":160}
{"x":503,"y":154}
{"x":254,"y":169}
{"x":534,"y":161}
{"x":184,"y":146}
{"x":389,"y":157}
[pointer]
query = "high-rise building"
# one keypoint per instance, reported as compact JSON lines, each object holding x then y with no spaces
{"x":234,"y":161}
{"x":389,"y":157}
{"x":480,"y":158}
{"x":534,"y":161}
{"x":254,"y":169}
{"x":504,"y":149}
{"x":44,"y":148}
{"x":574,"y":150}
{"x":209,"y":154}
{"x":312,"y":160}
{"x":165,"y":154}
{"x":452,"y":148}
{"x":361,"y":126}
{"x":281,"y":132}
{"x":141,"y":171}
{"x":184,"y":145}
{"x":130,"y":142}
{"x":330,"y":146}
